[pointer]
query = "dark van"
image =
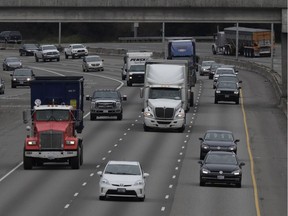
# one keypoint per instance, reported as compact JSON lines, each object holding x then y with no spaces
{"x":10,"y":37}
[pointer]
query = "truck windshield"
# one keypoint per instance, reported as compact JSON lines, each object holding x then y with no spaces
{"x":52,"y":115}
{"x":105,"y":94}
{"x":137,"y":68}
{"x":167,"y":93}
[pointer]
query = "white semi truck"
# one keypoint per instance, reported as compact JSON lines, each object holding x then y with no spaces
{"x":166,"y":94}
{"x":134,"y":66}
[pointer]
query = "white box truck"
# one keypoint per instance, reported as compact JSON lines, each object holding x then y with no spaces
{"x":166,"y":94}
{"x":134,"y":66}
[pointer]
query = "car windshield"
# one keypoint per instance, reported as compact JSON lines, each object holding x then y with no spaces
{"x":228,"y":78}
{"x":136,"y":68}
{"x":22,"y":72}
{"x":207,"y":63}
{"x":105,"y":94}
{"x":221,"y":159}
{"x":227,"y":85}
{"x":218,"y":136}
{"x":52,"y":115}
{"x":225,"y":71}
{"x":12,"y":60}
{"x":165,"y":93}
{"x":30,"y":46}
{"x":49,"y":47}
{"x":123,"y":169}
{"x":78,"y":46}
{"x":93,"y":59}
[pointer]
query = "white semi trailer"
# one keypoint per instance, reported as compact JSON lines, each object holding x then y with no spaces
{"x":166,"y":94}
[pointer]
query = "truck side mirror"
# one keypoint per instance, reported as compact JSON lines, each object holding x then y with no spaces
{"x":124,"y":97}
{"x":88,"y":97}
{"x":25,"y":117}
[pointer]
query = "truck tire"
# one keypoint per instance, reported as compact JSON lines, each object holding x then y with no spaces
{"x":129,"y":83}
{"x":216,"y":101}
{"x":66,"y":56}
{"x":27,"y":163}
{"x":58,"y":59}
{"x":92,"y":117}
{"x":146,"y":128}
{"x":214,"y":50}
{"x":182,"y":129}
{"x":191,"y":99}
{"x":120,"y":116}
{"x":76,"y":161}
{"x":36,"y":59}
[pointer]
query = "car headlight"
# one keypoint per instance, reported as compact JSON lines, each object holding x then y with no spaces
{"x":139,"y":182}
{"x":70,"y":142}
{"x":232,"y":148}
{"x":205,"y":171}
{"x":28,"y":79}
{"x":236,"y":92}
{"x":204,"y":146}
{"x":104,"y":181}
{"x":236,"y":172}
{"x":32,"y":142}
{"x":218,"y":91}
{"x":14,"y":79}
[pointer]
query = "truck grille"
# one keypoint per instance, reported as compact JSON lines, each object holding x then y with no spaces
{"x":52,"y":53}
{"x":164,"y":113}
{"x":105,"y":105}
{"x":51,"y":140}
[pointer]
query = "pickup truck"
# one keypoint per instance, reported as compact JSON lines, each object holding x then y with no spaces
{"x":106,"y":102}
{"x":47,"y":52}
{"x":75,"y":50}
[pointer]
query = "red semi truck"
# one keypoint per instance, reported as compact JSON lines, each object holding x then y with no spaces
{"x":56,"y":118}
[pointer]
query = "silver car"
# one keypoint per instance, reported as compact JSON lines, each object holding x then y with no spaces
{"x":92,"y":62}
{"x":122,"y":179}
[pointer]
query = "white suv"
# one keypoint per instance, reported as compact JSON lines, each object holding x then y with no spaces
{"x":122,"y":179}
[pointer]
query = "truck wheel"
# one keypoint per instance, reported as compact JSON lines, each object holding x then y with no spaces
{"x":216,"y":101}
{"x":237,"y":101}
{"x":92,"y":117}
{"x":120,"y":116}
{"x":129,"y":83}
{"x":27,"y":163}
{"x":81,"y":155}
{"x":58,"y":59}
{"x":191,"y":99}
{"x":213,"y":50}
{"x":36,"y":59}
{"x":75,"y":161}
{"x":146,"y":128}
{"x":66,"y":56}
{"x":73,"y":57}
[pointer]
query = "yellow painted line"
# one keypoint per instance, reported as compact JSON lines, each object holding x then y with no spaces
{"x":256,"y":199}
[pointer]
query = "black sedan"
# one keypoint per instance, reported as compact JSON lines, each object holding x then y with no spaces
{"x":221,"y":167}
{"x":28,"y":49}
{"x":22,"y":77}
{"x":227,"y":91}
{"x":2,"y":86}
{"x":11,"y":63}
{"x":217,"y":140}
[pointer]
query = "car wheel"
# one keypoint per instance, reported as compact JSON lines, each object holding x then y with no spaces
{"x":58,"y":59}
{"x":123,"y":77}
{"x":36,"y":59}
{"x":202,"y":156}
{"x":202,"y":183}
{"x":129,"y":83}
{"x":216,"y":101}
{"x":237,"y":101}
{"x":102,"y":197}
{"x":238,"y":185}
{"x":92,"y":117}
{"x":66,"y":56}
{"x":141,"y":199}
{"x":13,"y":85}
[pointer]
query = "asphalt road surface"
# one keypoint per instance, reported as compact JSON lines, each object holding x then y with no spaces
{"x":170,"y":158}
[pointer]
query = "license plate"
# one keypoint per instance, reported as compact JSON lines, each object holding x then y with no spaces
{"x":21,"y":82}
{"x":226,"y":96}
{"x":121,"y":190}
{"x":105,"y":111}
{"x":220,"y":177}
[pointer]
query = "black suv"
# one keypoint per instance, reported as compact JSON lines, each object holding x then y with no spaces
{"x":227,"y":91}
{"x":22,"y":77}
{"x":106,"y":102}
{"x":11,"y":37}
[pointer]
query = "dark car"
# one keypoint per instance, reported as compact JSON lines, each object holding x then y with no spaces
{"x":221,"y":167}
{"x":11,"y":63}
{"x":10,"y":37}
{"x":227,"y":91}
{"x":106,"y":102}
{"x":217,"y":140}
{"x":22,"y":77}
{"x":213,"y":68}
{"x":227,"y":77}
{"x":28,"y":49}
{"x":2,"y":86}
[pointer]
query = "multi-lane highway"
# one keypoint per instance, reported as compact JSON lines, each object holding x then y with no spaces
{"x":170,"y":158}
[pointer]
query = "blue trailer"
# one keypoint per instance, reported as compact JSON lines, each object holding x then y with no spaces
{"x":56,"y":90}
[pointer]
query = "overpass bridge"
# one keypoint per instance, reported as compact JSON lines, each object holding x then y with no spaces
{"x":163,"y":11}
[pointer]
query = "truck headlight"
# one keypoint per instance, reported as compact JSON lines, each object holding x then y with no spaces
{"x":218,"y":91}
{"x":32,"y":142}
{"x":205,"y":171}
{"x":236,"y":172}
{"x":236,"y":92}
{"x":148,"y":114}
{"x":70,"y":142}
{"x":204,"y":146}
{"x":118,"y":104}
